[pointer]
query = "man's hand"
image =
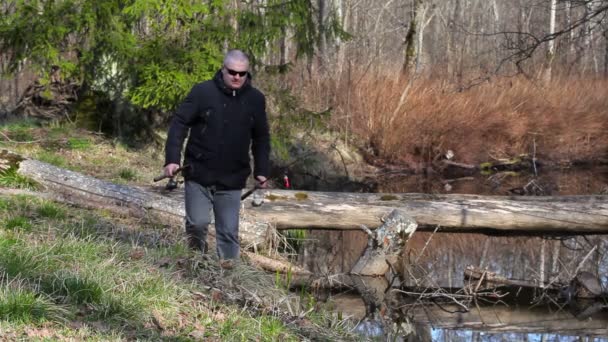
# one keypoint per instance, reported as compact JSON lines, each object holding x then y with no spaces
{"x":170,"y":169}
{"x":261,"y":182}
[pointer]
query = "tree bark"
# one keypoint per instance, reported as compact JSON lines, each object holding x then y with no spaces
{"x":411,"y":39}
{"x":606,"y":53}
{"x":538,"y":214}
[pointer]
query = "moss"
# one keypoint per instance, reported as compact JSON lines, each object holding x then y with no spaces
{"x":300,"y":196}
{"x":485,"y":166}
{"x":47,"y":94}
{"x":511,"y":174}
{"x":275,"y":197}
{"x":388,"y":198}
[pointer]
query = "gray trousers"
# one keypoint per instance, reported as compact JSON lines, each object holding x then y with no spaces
{"x":225,"y":204}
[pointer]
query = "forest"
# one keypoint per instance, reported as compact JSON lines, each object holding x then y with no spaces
{"x":463,"y":114}
{"x":480,"y":78}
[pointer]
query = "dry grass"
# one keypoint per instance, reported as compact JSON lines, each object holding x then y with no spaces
{"x":567,"y":119}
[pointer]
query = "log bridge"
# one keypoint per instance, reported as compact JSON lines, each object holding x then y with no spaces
{"x":398,"y":215}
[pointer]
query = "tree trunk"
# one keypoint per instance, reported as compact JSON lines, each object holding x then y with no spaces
{"x":526,"y":214}
{"x":321,"y":23}
{"x":78,"y":189}
{"x":411,"y":39}
{"x":606,"y":53}
{"x":551,"y":43}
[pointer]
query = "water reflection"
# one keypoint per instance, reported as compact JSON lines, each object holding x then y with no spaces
{"x":441,"y":335}
{"x":438,"y":260}
{"x":567,"y":181}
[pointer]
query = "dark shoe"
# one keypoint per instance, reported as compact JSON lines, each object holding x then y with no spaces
{"x":227,"y":264}
{"x":197,"y":244}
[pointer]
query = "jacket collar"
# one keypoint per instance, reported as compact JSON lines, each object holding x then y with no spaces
{"x":219,"y":82}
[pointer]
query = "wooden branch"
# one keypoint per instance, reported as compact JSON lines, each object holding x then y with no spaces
{"x":274,"y":265}
{"x":461,"y":165}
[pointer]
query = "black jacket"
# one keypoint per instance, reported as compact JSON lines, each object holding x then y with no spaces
{"x":223,"y":124}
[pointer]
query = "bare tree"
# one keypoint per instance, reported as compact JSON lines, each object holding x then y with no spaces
{"x":551,"y":43}
{"x":411,"y":38}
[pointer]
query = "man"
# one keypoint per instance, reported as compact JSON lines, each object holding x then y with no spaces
{"x":225,"y":116}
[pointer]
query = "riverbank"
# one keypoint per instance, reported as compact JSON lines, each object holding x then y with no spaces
{"x":70,"y":273}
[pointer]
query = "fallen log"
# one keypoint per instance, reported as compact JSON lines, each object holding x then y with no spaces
{"x":524,"y":214}
{"x":75,"y":188}
{"x":89,"y":192}
{"x":326,"y":210}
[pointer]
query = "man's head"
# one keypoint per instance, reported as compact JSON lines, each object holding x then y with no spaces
{"x":235,"y":69}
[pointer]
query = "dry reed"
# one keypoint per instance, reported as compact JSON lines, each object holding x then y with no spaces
{"x":415,"y":123}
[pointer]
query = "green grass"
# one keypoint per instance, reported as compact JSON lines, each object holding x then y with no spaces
{"x":51,"y":210}
{"x":71,"y":266}
{"x":52,"y":158}
{"x":273,"y":330}
{"x":4,"y":203}
{"x":21,"y":305}
{"x":20,"y":131}
{"x":58,"y":131}
{"x":79,"y":143}
{"x":11,"y":179}
{"x":18,"y":223}
{"x":127,"y":174}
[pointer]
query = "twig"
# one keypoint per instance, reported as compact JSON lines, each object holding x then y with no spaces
{"x":483,"y":275}
{"x":534,"y":156}
{"x":426,"y":244}
{"x":580,"y":265}
{"x":367,"y":230}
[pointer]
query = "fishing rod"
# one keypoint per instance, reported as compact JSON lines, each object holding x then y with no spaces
{"x":259,"y":185}
{"x":172,"y":183}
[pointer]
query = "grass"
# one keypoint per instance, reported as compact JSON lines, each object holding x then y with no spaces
{"x":19,"y":304}
{"x":52,"y":158}
{"x":127,"y":174}
{"x":69,"y":273}
{"x":65,"y":145}
{"x":79,"y":143}
{"x":11,"y":179}
{"x":51,"y":210}
{"x":18,"y":222}
{"x":19,"y":131}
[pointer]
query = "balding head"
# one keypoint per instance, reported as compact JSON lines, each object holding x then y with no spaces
{"x":236,"y":56}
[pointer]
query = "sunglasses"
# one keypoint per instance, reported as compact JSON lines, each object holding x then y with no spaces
{"x":234,"y":72}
